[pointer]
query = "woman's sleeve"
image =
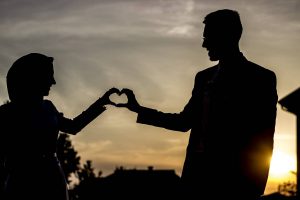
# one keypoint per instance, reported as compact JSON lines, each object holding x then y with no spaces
{"x":73,"y":126}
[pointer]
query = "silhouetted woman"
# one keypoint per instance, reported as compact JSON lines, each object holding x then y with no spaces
{"x":29,"y":129}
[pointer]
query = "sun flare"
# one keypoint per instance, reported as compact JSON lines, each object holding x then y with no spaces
{"x":282,"y":164}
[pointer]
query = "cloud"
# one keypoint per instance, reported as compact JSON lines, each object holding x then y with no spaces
{"x":106,"y":156}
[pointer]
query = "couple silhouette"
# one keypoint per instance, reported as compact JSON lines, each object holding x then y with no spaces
{"x":231,"y":117}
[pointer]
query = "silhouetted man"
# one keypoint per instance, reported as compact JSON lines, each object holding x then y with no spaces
{"x":231,"y":115}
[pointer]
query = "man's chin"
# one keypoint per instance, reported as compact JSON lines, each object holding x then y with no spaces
{"x":46,"y":93}
{"x":211,"y":58}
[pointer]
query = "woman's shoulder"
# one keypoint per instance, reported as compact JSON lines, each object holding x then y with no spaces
{"x":49,"y":105}
{"x":51,"y":109}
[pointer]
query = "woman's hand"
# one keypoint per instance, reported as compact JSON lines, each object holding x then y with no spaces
{"x":105,"y":100}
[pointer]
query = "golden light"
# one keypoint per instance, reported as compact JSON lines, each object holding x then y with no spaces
{"x":281,"y":165}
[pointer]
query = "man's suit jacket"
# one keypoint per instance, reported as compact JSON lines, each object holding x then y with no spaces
{"x":231,"y":115}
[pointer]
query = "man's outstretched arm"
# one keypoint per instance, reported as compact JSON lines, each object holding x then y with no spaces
{"x":173,"y":121}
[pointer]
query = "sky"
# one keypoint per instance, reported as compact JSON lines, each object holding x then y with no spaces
{"x":154,"y":48}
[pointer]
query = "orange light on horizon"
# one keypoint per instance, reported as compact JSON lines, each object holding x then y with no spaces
{"x":282,"y":164}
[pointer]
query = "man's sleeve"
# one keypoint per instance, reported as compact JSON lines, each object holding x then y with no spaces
{"x":266,"y":104}
{"x":173,"y":121}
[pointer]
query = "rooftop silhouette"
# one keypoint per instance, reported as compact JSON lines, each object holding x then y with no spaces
{"x":132,"y":184}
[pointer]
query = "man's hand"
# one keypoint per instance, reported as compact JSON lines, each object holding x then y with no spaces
{"x":132,"y":103}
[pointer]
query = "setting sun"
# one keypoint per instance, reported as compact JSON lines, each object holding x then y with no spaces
{"x":281,"y":165}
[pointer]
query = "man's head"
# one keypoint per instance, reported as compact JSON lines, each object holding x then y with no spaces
{"x":222,"y":32}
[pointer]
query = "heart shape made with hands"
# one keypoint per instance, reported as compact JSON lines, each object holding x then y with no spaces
{"x":118,"y":98}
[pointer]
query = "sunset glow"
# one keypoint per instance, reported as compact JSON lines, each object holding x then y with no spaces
{"x":282,"y":165}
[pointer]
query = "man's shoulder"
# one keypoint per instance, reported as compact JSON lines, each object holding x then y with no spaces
{"x":207,"y":71}
{"x":259,"y":69}
{"x":6,"y":110}
{"x":5,"y":107}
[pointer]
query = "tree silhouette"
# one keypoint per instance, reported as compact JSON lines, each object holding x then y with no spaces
{"x":87,"y":172}
{"x":68,"y":156}
{"x":89,"y":183}
{"x":288,"y":188}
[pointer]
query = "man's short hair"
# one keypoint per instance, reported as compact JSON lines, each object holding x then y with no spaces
{"x":226,"y":21}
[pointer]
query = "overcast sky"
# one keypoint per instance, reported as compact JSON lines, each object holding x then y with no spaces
{"x":152,"y":47}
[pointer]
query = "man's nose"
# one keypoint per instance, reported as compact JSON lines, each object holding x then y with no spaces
{"x":53,"y":81}
{"x":204,"y":43}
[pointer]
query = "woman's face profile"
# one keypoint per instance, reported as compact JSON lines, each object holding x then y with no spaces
{"x":43,"y":80}
{"x":30,"y":77}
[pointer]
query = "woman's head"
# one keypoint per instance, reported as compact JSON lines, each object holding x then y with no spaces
{"x":30,"y":76}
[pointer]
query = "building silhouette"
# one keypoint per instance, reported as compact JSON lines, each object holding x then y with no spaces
{"x":291,"y":103}
{"x":130,"y":184}
{"x":142,"y":184}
